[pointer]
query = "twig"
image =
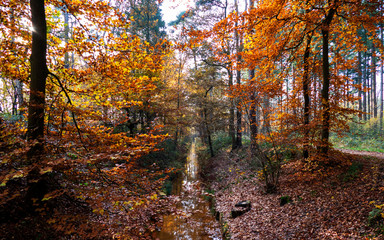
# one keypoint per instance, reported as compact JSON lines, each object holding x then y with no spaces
{"x":72,"y":113}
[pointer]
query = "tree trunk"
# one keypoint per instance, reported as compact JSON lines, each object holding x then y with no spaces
{"x":20,"y":97}
{"x":306,"y":92}
{"x":374,"y":100}
{"x":238,"y":81}
{"x":39,"y":73}
{"x":366,"y":86}
{"x":364,"y":79}
{"x":238,"y":123}
{"x":359,"y":83}
{"x":367,"y":78}
{"x":231,"y":112}
{"x":326,"y":79}
{"x":381,"y":86}
{"x":66,"y":37}
{"x":253,"y":118}
{"x":209,"y":139}
{"x":266,"y":121}
{"x":17,"y":108}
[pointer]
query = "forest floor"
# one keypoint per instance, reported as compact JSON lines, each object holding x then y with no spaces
{"x":331,"y":203}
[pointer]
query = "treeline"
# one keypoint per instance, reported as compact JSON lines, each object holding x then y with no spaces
{"x":284,"y":73}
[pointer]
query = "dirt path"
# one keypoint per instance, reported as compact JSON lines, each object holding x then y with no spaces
{"x":363,"y":153}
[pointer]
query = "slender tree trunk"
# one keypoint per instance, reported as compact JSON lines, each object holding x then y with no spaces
{"x":374,"y":99}
{"x":238,"y":119}
{"x":367,"y":78}
{"x":14,"y":99}
{"x":347,"y":93}
{"x":315,"y":104}
{"x":238,"y":81}
{"x":208,"y":131}
{"x":231,"y":111}
{"x":253,"y":123}
{"x":209,"y":140}
{"x":306,"y":92}
{"x":266,"y":121}
{"x":252,"y":117}
{"x":17,"y":108}
{"x":325,"y":93}
{"x":294,"y":110}
{"x":326,"y":79}
{"x":39,"y":73}
{"x":382,"y":85}
{"x":364,"y":87}
{"x":178,"y":102}
{"x":66,"y":37}
{"x":20,"y":97}
{"x":359,"y":83}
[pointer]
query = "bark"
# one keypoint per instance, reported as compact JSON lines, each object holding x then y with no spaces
{"x":20,"y":97}
{"x":253,"y":119}
{"x":364,"y":79}
{"x":306,"y":92}
{"x":326,"y":80}
{"x":208,"y":133}
{"x":239,"y":116}
{"x":178,"y":103}
{"x":382,"y":86}
{"x":207,"y":124}
{"x":266,"y":121}
{"x":367,"y":79}
{"x":231,"y":112}
{"x":18,"y":101}
{"x":347,"y":91}
{"x":374,"y":100}
{"x":359,"y":79}
{"x":39,"y":73}
{"x":238,"y":143}
{"x":66,"y":37}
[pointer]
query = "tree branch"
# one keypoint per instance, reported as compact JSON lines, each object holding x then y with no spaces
{"x":70,"y":102}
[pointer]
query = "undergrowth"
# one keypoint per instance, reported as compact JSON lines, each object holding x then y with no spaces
{"x":361,"y":137}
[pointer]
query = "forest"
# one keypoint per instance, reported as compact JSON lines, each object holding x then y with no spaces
{"x":241,"y":119}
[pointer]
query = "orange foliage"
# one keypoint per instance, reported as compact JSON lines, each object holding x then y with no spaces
{"x":86,"y":159}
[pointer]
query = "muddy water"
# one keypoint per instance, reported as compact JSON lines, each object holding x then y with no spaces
{"x":193,"y":219}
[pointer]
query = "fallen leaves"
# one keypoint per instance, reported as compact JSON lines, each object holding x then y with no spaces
{"x":324,"y":208}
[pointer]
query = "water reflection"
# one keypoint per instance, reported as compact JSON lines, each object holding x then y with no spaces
{"x":192,"y":220}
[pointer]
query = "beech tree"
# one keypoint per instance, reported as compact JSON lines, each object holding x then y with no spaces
{"x":39,"y":71}
{"x":75,"y":112}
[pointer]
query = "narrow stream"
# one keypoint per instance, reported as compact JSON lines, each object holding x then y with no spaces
{"x":193,"y":219}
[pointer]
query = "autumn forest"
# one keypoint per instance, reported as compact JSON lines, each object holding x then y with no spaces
{"x":240,"y":119}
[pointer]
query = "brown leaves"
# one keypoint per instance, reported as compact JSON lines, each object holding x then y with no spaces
{"x":323,"y":208}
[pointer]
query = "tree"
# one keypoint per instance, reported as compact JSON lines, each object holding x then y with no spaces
{"x":325,"y":29}
{"x":76,"y":116}
{"x":39,"y":72}
{"x":306,"y":93}
{"x":147,"y":20}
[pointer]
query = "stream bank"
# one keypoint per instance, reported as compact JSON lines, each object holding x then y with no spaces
{"x":333,"y":204}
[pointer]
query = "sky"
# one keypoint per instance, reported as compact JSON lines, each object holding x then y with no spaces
{"x":171,"y":8}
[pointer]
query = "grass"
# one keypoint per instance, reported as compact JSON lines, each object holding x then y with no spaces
{"x":362,"y":148}
{"x":361,"y":137}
